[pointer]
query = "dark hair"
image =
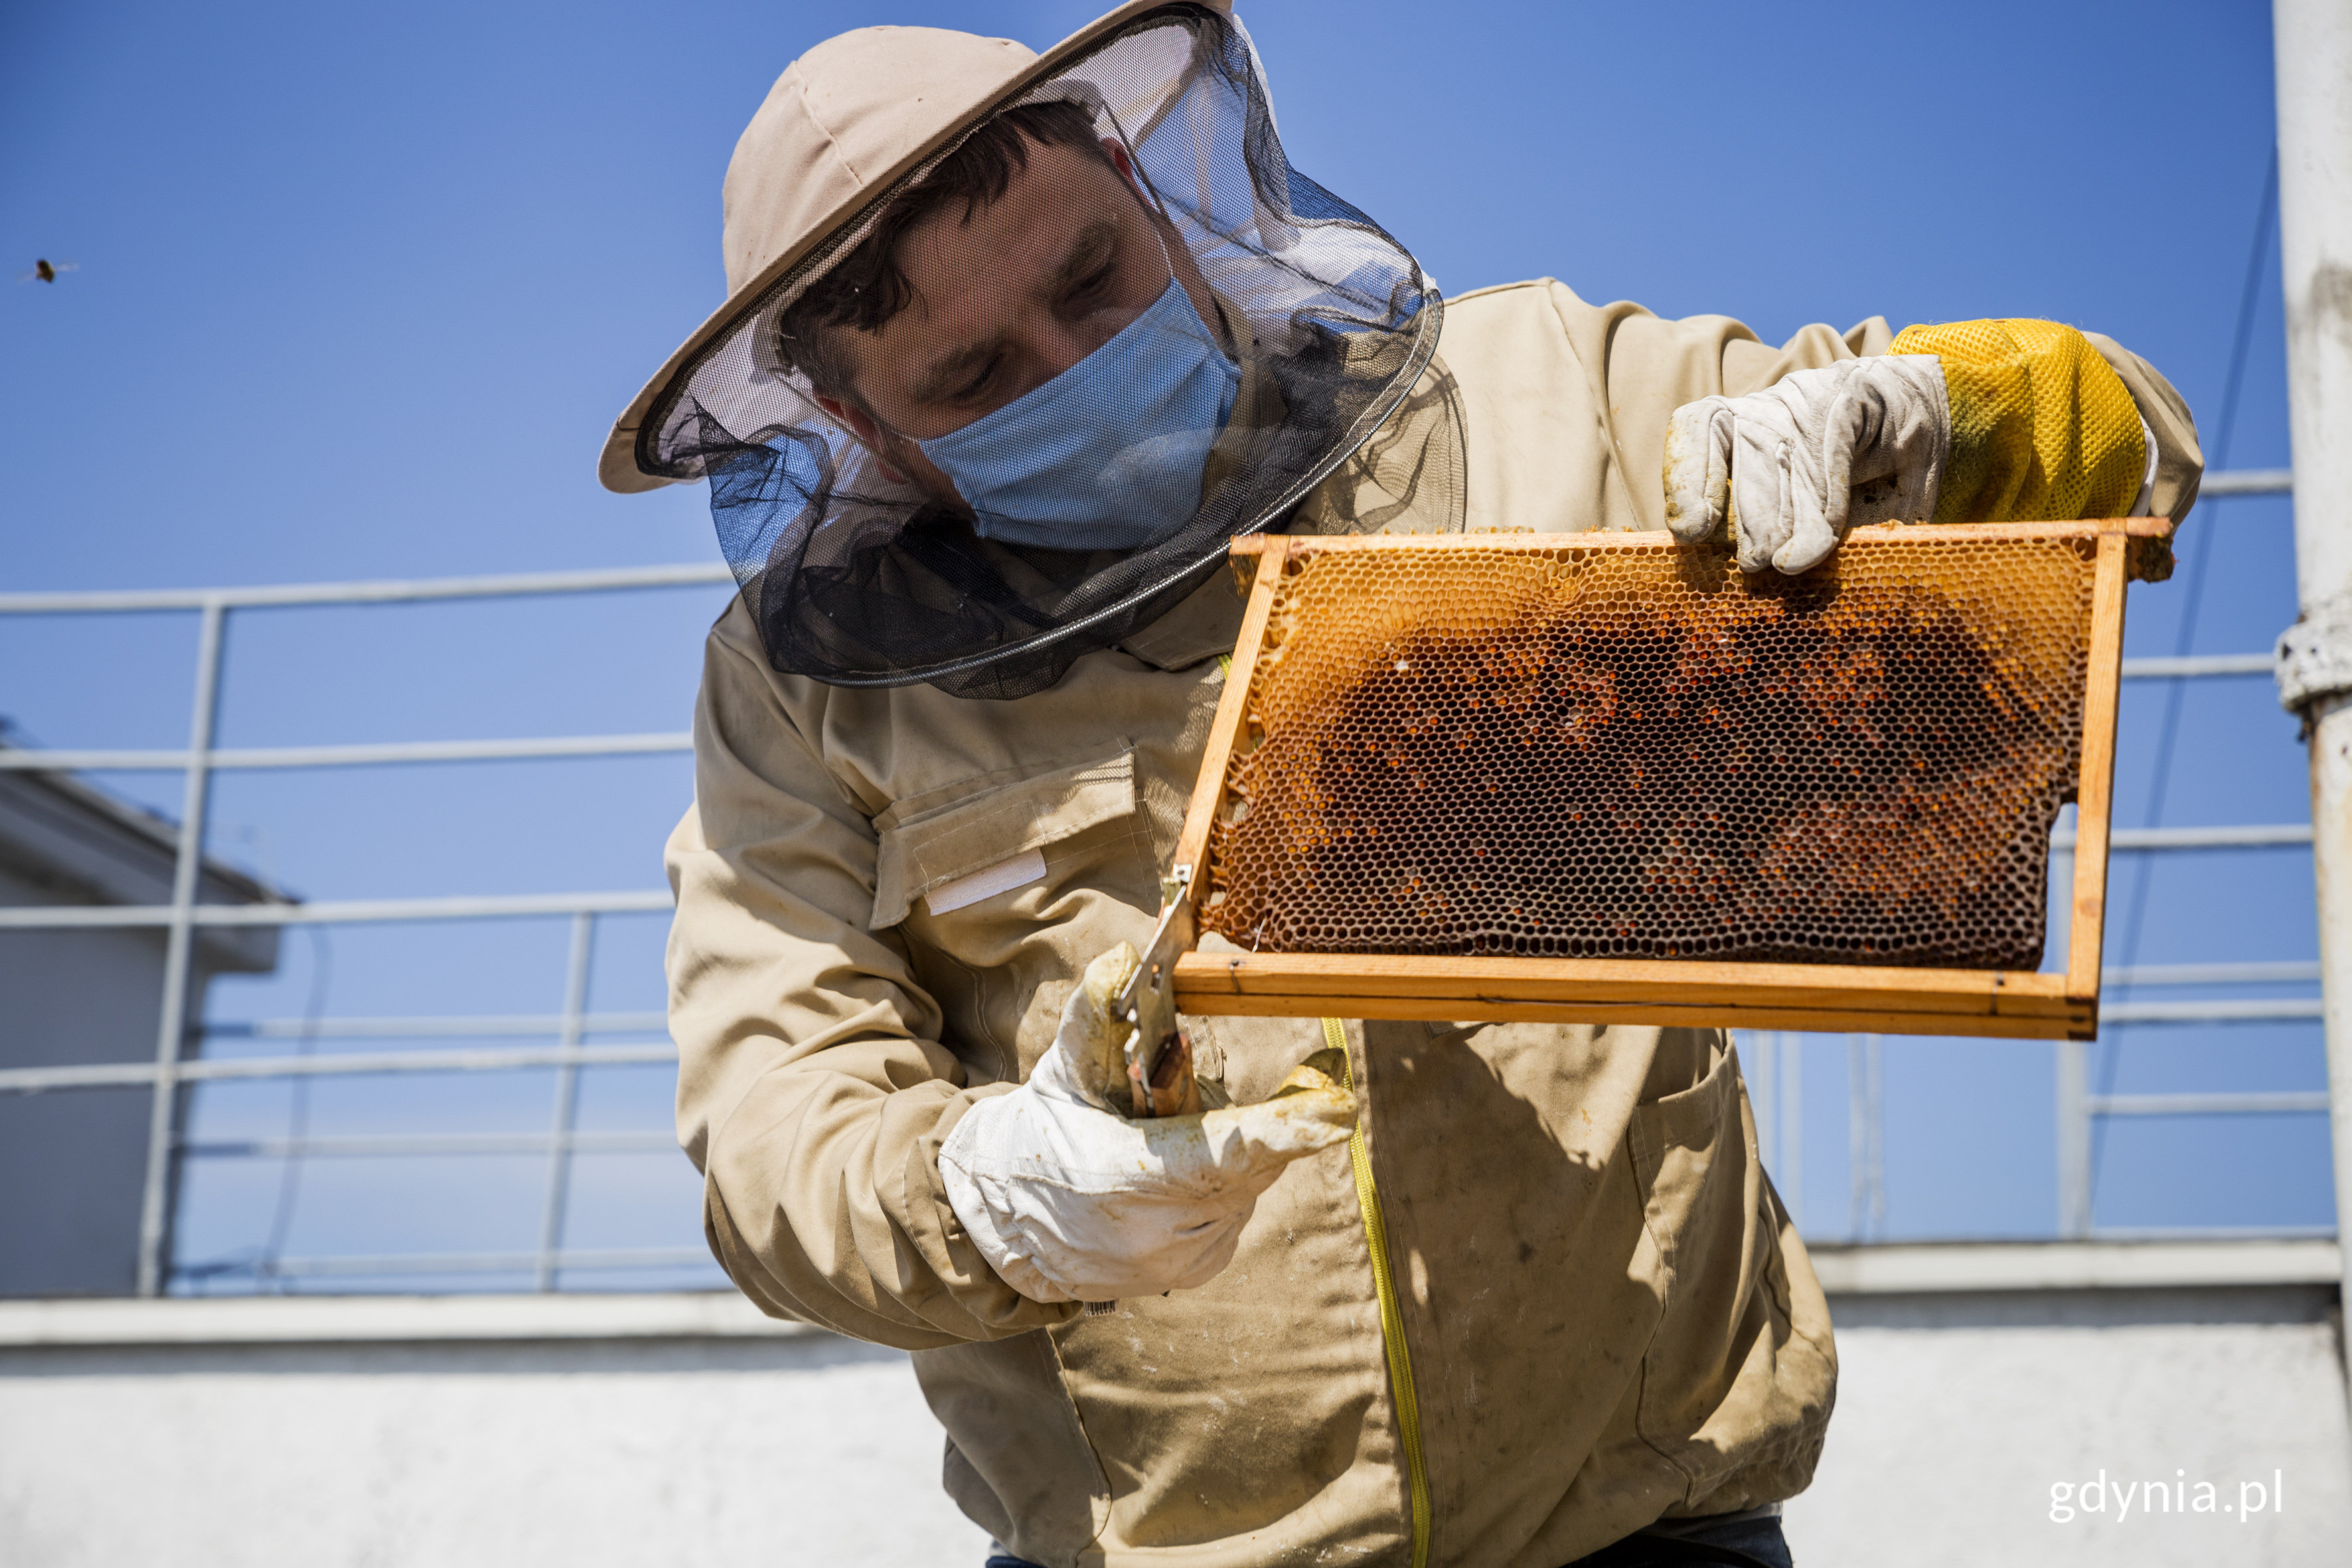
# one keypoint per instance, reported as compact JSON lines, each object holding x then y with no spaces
{"x":865,"y":288}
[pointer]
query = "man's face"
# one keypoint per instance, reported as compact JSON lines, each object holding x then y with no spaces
{"x":1007,"y":300}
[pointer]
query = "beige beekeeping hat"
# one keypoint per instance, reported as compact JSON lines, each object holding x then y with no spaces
{"x":842,"y":125}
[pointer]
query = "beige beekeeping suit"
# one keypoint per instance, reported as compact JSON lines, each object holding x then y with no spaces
{"x":1606,"y":1314}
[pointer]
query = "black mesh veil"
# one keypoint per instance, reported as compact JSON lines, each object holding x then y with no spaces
{"x":858,"y":579}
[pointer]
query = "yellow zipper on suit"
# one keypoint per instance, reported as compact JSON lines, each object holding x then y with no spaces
{"x":1400,"y":1358}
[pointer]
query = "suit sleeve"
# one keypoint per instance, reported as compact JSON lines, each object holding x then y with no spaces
{"x":812,"y":1092}
{"x":2180,"y":461}
{"x":1645,"y":366}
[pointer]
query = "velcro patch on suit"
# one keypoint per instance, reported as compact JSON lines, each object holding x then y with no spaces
{"x":987,"y":883}
{"x":985,"y":827}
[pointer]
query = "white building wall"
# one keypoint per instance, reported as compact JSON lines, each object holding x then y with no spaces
{"x":441,"y":1435}
{"x":589,"y":1455}
{"x":1957,"y":1416}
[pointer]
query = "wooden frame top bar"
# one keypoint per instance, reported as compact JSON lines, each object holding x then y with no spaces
{"x":1875,"y":533}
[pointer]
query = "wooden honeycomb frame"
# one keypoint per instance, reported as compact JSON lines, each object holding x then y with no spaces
{"x":1814,"y":996}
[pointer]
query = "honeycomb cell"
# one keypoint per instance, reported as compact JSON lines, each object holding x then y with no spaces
{"x":1636,"y":752}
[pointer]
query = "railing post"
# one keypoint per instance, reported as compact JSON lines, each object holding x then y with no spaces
{"x":567,"y":1097}
{"x":1874,"y":1051}
{"x":2071,"y":1078}
{"x":1764,"y":1094}
{"x":2314,"y":43}
{"x":2074,"y":1119}
{"x":179,"y":942}
{"x":1865,"y":1137}
{"x":1791,"y":1092}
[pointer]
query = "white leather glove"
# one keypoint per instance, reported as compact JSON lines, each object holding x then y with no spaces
{"x":1789,"y":469}
{"x":1070,"y":1200}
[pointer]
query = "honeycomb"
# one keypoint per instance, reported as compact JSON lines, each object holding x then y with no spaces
{"x":1638,"y":752}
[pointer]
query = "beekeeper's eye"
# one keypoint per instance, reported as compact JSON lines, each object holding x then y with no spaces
{"x":1090,"y":289}
{"x":1090,"y":274}
{"x":984,"y":378}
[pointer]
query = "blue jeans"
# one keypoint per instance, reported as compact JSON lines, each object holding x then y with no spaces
{"x":1741,"y":1542}
{"x":1757,"y":1541}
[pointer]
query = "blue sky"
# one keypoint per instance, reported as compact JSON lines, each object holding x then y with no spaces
{"x":360,"y":290}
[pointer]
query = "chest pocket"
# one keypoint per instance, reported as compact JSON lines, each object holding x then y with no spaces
{"x":1006,"y":837}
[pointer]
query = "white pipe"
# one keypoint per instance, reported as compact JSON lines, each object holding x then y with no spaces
{"x":1790,"y":1093}
{"x":567,"y":1099}
{"x":393,"y":751}
{"x":2287,"y":972}
{"x":2204,"y":666}
{"x":210,"y":1069}
{"x":2259,"y":1103}
{"x":481,"y":1262}
{"x":355,"y":911}
{"x":692,"y":1314}
{"x":2073,"y":1118}
{"x":2256,"y":1010}
{"x":383,"y":1145}
{"x":155,"y":1199}
{"x":2247,"y":482}
{"x":2251,"y":835}
{"x":375,"y":593}
{"x":420,"y":1026}
{"x":2314,"y":43}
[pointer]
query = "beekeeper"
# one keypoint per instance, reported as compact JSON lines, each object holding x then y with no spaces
{"x":1014,"y":345}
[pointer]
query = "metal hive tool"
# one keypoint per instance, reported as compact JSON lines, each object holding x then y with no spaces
{"x":1601,"y":777}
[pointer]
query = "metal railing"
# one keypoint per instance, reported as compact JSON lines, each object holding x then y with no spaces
{"x":1776,"y":1070}
{"x":1775,"y":1073}
{"x":2078,"y":1108}
{"x":179,"y":920}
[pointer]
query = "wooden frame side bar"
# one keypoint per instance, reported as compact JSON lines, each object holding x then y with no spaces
{"x":2095,"y":791}
{"x":1233,"y":707}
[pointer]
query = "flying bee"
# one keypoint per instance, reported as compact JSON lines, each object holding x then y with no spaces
{"x":46,"y":271}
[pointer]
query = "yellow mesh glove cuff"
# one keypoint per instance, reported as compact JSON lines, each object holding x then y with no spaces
{"x":2043,"y":428}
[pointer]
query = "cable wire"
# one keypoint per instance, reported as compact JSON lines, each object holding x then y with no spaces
{"x":2185,"y":637}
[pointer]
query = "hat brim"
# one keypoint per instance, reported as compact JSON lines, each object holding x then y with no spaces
{"x":618,"y":467}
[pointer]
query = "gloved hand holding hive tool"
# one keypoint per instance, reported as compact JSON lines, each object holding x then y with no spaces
{"x":2015,"y":420}
{"x":1071,"y":1201}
